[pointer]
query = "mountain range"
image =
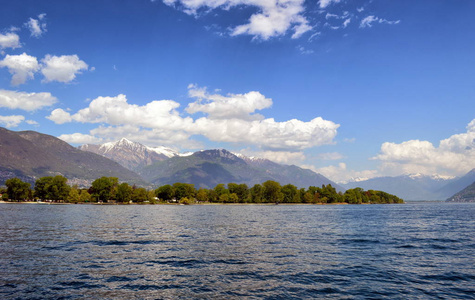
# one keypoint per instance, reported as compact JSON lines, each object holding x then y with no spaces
{"x":416,"y":186}
{"x":30,"y":155}
{"x":206,"y":168}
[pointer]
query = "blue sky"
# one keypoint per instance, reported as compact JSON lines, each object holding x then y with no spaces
{"x":346,"y":88}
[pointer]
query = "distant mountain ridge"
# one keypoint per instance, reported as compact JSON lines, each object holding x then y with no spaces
{"x":205,"y":168}
{"x":30,"y":154}
{"x":416,"y":186}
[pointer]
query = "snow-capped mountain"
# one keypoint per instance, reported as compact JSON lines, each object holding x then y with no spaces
{"x":132,"y":155}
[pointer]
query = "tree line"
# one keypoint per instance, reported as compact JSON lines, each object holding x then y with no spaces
{"x":108,"y":189}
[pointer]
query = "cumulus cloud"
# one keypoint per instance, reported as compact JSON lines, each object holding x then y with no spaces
{"x":239,"y":106}
{"x":37,"y":27}
{"x":22,"y":67}
{"x":62,"y":68}
{"x":369,"y":20}
{"x":79,"y":138}
{"x":60,"y":116}
{"x":11,"y":121}
{"x":453,"y":156}
{"x":25,"y":101}
{"x":268,"y":134}
{"x":9,"y":40}
{"x":273,"y":18}
{"x":230,"y":118}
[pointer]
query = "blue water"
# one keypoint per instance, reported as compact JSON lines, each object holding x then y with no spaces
{"x":410,"y":251}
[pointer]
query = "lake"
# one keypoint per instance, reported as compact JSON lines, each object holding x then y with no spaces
{"x":407,"y":251}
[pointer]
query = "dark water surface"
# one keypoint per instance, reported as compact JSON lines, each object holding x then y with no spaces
{"x":411,"y":251}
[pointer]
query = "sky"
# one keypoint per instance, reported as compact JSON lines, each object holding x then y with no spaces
{"x":347,"y":88}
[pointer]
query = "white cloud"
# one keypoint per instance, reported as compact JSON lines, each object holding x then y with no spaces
{"x":274,"y":17}
{"x":367,"y":22}
{"x":37,"y":26}
{"x":239,"y":106}
{"x":60,"y":116}
{"x":79,"y":138}
{"x":22,"y":67}
{"x":9,"y":40}
{"x":268,"y":134}
{"x":325,"y":3}
{"x":161,"y":119}
{"x":62,"y":68}
{"x":11,"y":121}
{"x":25,"y":101}
{"x":32,"y":122}
{"x":346,"y":22}
{"x":454,"y":156}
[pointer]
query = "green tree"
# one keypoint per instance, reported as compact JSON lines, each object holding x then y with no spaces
{"x":17,"y":189}
{"x":41,"y":187}
{"x":220,"y":189}
{"x":166,"y":192}
{"x":139,"y":195}
{"x":74,"y":196}
{"x":272,"y":191}
{"x":85,"y":196}
{"x":124,"y":192}
{"x":103,"y":188}
{"x":257,"y":193}
{"x":241,"y":190}
{"x":202,"y":195}
{"x":53,"y":188}
{"x":183,"y":190}
{"x":290,"y":193}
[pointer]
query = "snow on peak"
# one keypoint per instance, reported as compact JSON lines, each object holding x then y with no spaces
{"x":168,"y":152}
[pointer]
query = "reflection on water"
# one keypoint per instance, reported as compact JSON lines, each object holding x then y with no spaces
{"x":415,"y":251}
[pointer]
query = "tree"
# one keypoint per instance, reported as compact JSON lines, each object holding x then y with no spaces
{"x":272,"y":191}
{"x":85,"y":196}
{"x":17,"y":189}
{"x":202,"y":195}
{"x":41,"y":187}
{"x":241,"y":190}
{"x":74,"y":195}
{"x":257,"y":193}
{"x":183,"y":190}
{"x":166,"y":192}
{"x":124,"y":192}
{"x":54,"y":188}
{"x":290,"y":193}
{"x":103,"y":188}
{"x":139,"y":195}
{"x":220,"y":189}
